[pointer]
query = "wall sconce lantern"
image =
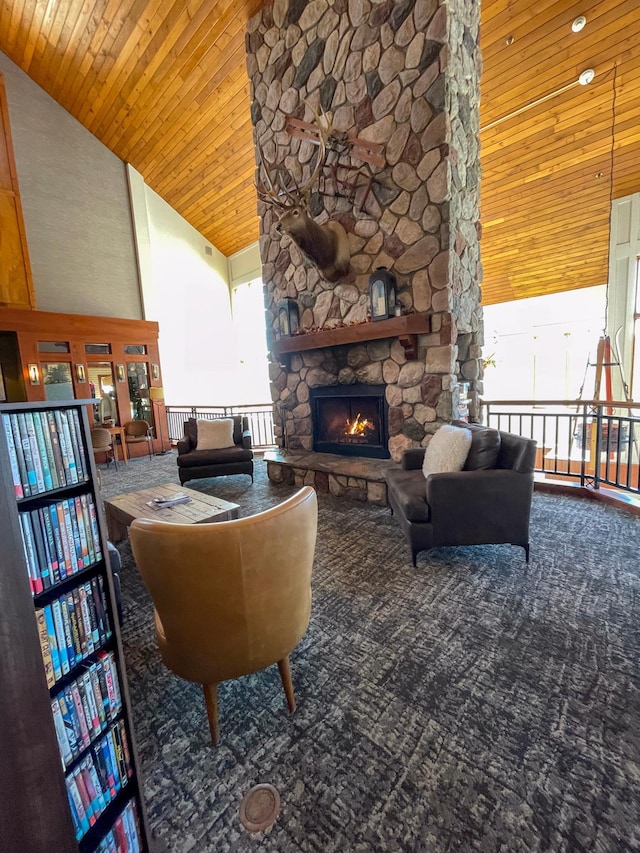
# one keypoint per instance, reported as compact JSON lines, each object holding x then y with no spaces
{"x":288,"y":317}
{"x":155,"y":372}
{"x":81,"y":376}
{"x":382,"y":294}
{"x":120,"y":373}
{"x":34,"y":374}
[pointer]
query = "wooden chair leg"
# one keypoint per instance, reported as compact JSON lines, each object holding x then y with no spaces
{"x":211,"y":699}
{"x":285,"y":676}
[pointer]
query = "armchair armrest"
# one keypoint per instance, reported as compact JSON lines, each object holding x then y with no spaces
{"x":184,"y":445}
{"x":412,"y":459}
{"x":246,"y":439}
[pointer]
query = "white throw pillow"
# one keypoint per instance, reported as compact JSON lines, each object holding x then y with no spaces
{"x":215,"y":435}
{"x":447,"y":451}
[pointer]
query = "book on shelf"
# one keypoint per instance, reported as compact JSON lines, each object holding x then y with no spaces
{"x":13,"y":458}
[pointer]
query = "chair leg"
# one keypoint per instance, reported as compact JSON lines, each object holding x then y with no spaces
{"x":526,"y":552}
{"x":285,"y":677}
{"x":211,"y":699}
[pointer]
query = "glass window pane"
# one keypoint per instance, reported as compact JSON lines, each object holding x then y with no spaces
{"x":135,"y":349}
{"x":139,"y":392}
{"x":98,"y":348}
{"x":102,"y":388}
{"x":57,"y":380}
{"x":53,"y":346}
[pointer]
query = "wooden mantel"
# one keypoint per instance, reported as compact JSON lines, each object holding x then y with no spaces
{"x":405,"y":328}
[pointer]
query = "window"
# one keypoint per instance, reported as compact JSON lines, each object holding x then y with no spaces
{"x":57,"y":380}
{"x":247,"y":301}
{"x":53,"y":346}
{"x":102,"y":389}
{"x":102,"y":349}
{"x":135,"y":349}
{"x":635,"y":363}
{"x":139,"y":392}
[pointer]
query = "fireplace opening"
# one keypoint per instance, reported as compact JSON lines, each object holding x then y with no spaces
{"x":350,"y":420}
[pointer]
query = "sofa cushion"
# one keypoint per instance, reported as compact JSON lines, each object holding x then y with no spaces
{"x":447,"y":451}
{"x":215,"y":435}
{"x":203,"y":458}
{"x":409,"y":493}
{"x":485,"y":446}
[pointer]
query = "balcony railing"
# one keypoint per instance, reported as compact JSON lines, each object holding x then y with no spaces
{"x":260,"y":416}
{"x":592,"y":442}
{"x":571,"y":435}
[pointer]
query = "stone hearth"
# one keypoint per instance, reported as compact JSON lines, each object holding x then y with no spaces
{"x":356,"y":478}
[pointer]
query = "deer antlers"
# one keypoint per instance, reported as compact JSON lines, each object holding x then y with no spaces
{"x":277,"y":191}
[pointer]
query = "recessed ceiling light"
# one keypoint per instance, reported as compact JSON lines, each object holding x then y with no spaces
{"x":509,"y":40}
{"x":579,"y":24}
{"x":586,"y":77}
{"x":599,"y":175}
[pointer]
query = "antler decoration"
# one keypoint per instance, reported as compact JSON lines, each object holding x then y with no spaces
{"x":276,"y":191}
{"x":327,"y":246}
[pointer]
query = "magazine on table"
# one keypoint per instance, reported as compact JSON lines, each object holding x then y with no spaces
{"x":173,"y":500}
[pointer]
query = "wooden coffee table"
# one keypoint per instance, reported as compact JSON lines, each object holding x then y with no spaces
{"x":123,"y":509}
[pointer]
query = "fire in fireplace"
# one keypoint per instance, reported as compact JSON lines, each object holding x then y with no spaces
{"x":350,"y":420}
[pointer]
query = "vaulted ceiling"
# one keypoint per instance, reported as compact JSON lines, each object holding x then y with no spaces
{"x":164,"y":86}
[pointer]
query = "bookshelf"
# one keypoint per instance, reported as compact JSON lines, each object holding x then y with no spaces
{"x":69,"y":774}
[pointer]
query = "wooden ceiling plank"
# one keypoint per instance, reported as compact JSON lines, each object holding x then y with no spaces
{"x":550,"y":27}
{"x":194,"y":120}
{"x":82,"y":70}
{"x":110,"y":36}
{"x":27,"y":36}
{"x":182,"y":92}
{"x":116,"y":70}
{"x":78,"y":30}
{"x":181,"y":69}
{"x":512,"y":95}
{"x":207,"y":171}
{"x":148,"y":49}
{"x":47,"y":38}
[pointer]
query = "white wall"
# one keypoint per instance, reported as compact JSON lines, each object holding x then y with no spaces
{"x":186,"y":291}
{"x":76,"y":207}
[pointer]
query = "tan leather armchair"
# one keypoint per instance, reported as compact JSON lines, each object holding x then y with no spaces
{"x":231,"y":597}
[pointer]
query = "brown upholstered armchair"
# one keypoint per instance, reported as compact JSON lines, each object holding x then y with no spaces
{"x":102,"y":442}
{"x":138,"y":432}
{"x":194,"y":464}
{"x":230,"y":598}
{"x":488,"y":502}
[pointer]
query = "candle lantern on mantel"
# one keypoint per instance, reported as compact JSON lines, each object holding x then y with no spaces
{"x":288,"y":317}
{"x":382,"y":294}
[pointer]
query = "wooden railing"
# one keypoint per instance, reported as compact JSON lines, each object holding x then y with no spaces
{"x":260,"y":416}
{"x":593,"y":442}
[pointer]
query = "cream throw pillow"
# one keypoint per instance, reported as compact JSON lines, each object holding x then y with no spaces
{"x":215,"y":435}
{"x":447,"y":451}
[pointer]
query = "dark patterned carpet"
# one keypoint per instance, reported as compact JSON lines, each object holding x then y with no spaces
{"x":474,"y":704}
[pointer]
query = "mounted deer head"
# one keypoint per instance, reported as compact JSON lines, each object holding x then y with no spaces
{"x":327,"y":246}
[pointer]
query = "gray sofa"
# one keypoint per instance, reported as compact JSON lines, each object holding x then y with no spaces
{"x":196,"y":464}
{"x":488,"y":502}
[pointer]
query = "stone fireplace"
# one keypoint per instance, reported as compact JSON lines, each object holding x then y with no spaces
{"x":402,"y":76}
{"x":350,"y":420}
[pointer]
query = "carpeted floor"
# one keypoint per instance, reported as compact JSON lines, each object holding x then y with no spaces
{"x":475,"y":703}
